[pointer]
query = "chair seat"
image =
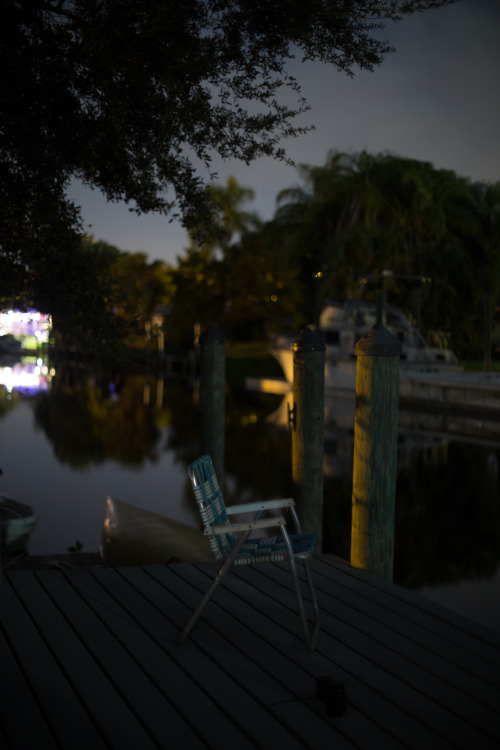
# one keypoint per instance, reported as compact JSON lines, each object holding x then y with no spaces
{"x":273,"y":549}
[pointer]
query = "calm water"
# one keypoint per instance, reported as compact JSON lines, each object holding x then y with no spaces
{"x":86,"y":436}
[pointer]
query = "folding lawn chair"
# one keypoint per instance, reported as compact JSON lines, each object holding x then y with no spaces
{"x":231,"y":543}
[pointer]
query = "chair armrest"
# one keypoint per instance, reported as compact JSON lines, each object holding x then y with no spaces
{"x":260,"y":505}
{"x":229,"y":528}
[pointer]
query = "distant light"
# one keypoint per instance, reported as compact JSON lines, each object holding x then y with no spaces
{"x":25,"y":376}
{"x":25,"y":324}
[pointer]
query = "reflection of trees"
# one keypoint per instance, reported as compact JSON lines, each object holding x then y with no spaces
{"x":447,"y":496}
{"x":447,"y":514}
{"x":8,"y":402}
{"x":90,"y":420}
{"x":258,"y":460}
{"x":447,"y":501}
{"x":184,"y":437}
{"x":337,"y":516}
{"x":258,"y":457}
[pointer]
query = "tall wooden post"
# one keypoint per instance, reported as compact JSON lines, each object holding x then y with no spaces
{"x":307,"y":419}
{"x":212,"y":395}
{"x":487,"y":331}
{"x":375,"y":451}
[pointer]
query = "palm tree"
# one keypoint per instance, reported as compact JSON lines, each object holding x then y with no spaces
{"x":329,"y":222}
{"x":480,"y":235}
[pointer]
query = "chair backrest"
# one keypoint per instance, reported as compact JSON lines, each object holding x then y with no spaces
{"x":211,"y":504}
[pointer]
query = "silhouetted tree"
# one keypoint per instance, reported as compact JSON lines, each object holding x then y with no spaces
{"x":135,"y":99}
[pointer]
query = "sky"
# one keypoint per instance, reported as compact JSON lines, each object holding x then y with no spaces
{"x":435,"y":99}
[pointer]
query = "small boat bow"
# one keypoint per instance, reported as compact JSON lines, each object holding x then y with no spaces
{"x":135,"y":536}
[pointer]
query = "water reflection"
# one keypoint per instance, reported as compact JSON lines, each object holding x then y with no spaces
{"x":104,"y":432}
{"x":91,"y":418}
{"x":447,"y":495}
{"x":28,"y":375}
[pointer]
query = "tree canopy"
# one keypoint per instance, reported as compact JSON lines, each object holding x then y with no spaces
{"x":360,"y":224}
{"x":136,"y":98}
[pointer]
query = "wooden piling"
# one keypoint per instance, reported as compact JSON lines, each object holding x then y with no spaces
{"x":307,"y":420}
{"x":212,"y":395}
{"x":375,"y":452}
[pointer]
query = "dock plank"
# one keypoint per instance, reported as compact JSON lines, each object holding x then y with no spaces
{"x":104,"y":704}
{"x":246,"y":665}
{"x":17,"y":700}
{"x":214,"y":701}
{"x":269,"y":677}
{"x":276,"y":682}
{"x":60,"y":704}
{"x":471,"y":636}
{"x":413,"y":623}
{"x":455,"y":689}
{"x":391,"y":645}
{"x":410,"y":687}
{"x":91,"y":656}
{"x":276,"y":642}
{"x":123,"y":653}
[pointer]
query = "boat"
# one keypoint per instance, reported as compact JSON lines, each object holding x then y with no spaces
{"x":343,"y":323}
{"x":17,"y":522}
{"x":9,"y":344}
{"x":136,"y":536}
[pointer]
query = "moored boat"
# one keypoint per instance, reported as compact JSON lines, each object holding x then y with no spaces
{"x":341,"y":326}
{"x":17,"y":522}
{"x":135,"y":536}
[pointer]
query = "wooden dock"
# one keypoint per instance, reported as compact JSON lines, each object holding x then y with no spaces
{"x":89,"y":660}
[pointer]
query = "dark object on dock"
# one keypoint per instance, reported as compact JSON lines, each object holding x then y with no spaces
{"x":332,"y":693}
{"x":335,"y":699}
{"x":322,"y":686}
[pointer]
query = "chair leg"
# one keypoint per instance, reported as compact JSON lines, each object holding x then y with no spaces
{"x":310,"y":640}
{"x":222,"y":570}
{"x":201,"y":605}
{"x":314,"y":603}
{"x":300,"y":603}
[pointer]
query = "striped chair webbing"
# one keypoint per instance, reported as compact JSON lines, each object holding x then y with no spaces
{"x":273,"y":549}
{"x":212,"y":509}
{"x":213,"y":513}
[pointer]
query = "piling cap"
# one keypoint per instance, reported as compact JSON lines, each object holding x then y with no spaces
{"x":379,"y":342}
{"x":212,"y":335}
{"x":308,"y":341}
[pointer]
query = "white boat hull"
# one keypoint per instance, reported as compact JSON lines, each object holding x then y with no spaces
{"x":134,"y":536}
{"x":342,"y":324}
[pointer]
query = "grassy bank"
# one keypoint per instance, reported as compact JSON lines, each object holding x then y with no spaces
{"x":250,"y":359}
{"x":477,"y":366}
